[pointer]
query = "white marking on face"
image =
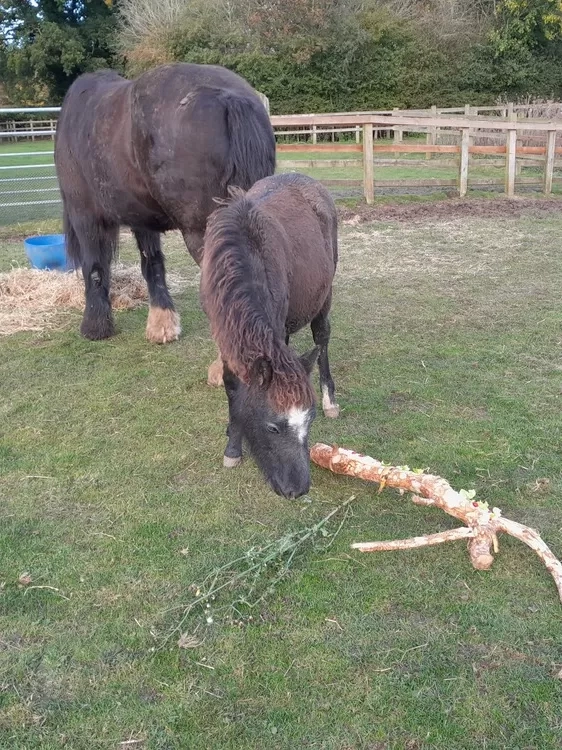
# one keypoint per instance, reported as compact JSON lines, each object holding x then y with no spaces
{"x":298,"y":421}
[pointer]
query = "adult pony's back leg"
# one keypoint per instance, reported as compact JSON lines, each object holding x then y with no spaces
{"x":92,"y":243}
{"x":194,"y":239}
{"x":163,"y":324}
{"x":321,"y":334}
{"x":214,"y":372}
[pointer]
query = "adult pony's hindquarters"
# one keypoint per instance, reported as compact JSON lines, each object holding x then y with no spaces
{"x":152,"y":154}
{"x":268,"y":264}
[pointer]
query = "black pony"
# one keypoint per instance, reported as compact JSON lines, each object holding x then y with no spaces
{"x":268,"y":263}
{"x":152,"y":154}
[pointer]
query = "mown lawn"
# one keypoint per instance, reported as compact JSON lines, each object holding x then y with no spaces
{"x":27,"y":175}
{"x":32,"y":189}
{"x":447,"y":354}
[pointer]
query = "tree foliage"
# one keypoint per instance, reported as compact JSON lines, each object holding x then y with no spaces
{"x":48,"y":43}
{"x":527,"y":25}
{"x":306,"y":55}
{"x":312,"y":55}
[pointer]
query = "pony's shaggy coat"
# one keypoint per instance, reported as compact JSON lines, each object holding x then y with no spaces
{"x":152,"y":154}
{"x":268,"y":263}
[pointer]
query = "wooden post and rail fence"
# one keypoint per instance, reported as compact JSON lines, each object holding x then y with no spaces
{"x":469,"y":126}
{"x":503,"y":128}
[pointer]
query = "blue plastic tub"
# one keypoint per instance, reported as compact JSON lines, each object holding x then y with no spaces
{"x":48,"y":252}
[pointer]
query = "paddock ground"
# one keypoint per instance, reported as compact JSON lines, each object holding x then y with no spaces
{"x":446,"y":352}
{"x":29,"y":188}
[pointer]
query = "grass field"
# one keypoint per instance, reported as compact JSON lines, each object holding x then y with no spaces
{"x":447,"y":354}
{"x":27,"y":184}
{"x":40,"y":184}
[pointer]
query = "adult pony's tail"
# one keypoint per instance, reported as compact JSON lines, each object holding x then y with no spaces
{"x":252,"y":140}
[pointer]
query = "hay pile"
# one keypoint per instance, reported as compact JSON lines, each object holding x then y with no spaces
{"x":32,"y":300}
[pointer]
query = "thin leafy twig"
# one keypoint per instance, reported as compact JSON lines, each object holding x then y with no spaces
{"x":277,"y":555}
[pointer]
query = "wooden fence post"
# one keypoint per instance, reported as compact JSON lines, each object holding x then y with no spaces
{"x":469,"y":111}
{"x":550,"y":155}
{"x":314,"y":135}
{"x":357,"y":134}
{"x":511,"y":158}
{"x":518,"y":142}
{"x":511,"y":115}
{"x":431,"y":138}
{"x":463,"y":169}
{"x":368,"y":164}
{"x":398,"y":132}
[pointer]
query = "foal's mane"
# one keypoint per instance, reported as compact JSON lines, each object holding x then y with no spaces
{"x":238,"y":300}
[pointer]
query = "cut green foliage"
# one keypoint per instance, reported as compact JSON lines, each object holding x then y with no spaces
{"x":251,"y":578}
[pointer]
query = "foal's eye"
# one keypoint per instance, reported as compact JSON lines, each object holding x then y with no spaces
{"x":272,"y":428}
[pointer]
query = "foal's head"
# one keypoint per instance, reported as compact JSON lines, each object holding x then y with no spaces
{"x":274,"y":412}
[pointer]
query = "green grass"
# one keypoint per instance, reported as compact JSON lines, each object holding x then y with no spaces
{"x":27,"y":146}
{"x":446,"y":354}
{"x":49,"y":214}
{"x":27,"y":180}
{"x":426,"y":170}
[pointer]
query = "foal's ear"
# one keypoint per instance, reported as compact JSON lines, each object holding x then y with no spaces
{"x":262,"y":372}
{"x":309,"y":360}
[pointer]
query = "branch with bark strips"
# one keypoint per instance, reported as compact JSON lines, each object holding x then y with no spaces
{"x":482,"y":525}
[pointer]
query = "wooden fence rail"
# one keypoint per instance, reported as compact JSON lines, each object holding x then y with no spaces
{"x":466,"y":124}
{"x":509,"y":123}
{"x":14,"y":130}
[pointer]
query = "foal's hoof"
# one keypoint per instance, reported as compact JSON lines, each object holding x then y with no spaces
{"x":332,"y":411}
{"x":163,"y":325}
{"x":231,"y":463}
{"x":98,"y":328}
{"x":214,"y":374}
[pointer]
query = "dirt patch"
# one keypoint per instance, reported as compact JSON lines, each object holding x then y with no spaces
{"x":452,"y":208}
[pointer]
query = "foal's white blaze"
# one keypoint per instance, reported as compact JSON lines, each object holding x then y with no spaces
{"x":298,"y":421}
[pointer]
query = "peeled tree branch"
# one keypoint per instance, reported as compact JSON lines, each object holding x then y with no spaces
{"x":481,"y":525}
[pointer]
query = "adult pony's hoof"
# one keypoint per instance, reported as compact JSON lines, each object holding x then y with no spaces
{"x":231,"y":463}
{"x":214,"y":374}
{"x":97,"y":329}
{"x":163,"y":325}
{"x":332,"y":411}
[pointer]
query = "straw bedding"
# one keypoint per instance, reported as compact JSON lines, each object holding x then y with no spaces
{"x":33,"y":300}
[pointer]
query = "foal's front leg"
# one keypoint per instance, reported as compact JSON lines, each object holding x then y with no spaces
{"x":233,"y":452}
{"x":163,"y":324}
{"x":321,"y":334}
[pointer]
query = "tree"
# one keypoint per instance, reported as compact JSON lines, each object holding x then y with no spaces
{"x":327,"y":55}
{"x":48,"y":43}
{"x":533,"y":25}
